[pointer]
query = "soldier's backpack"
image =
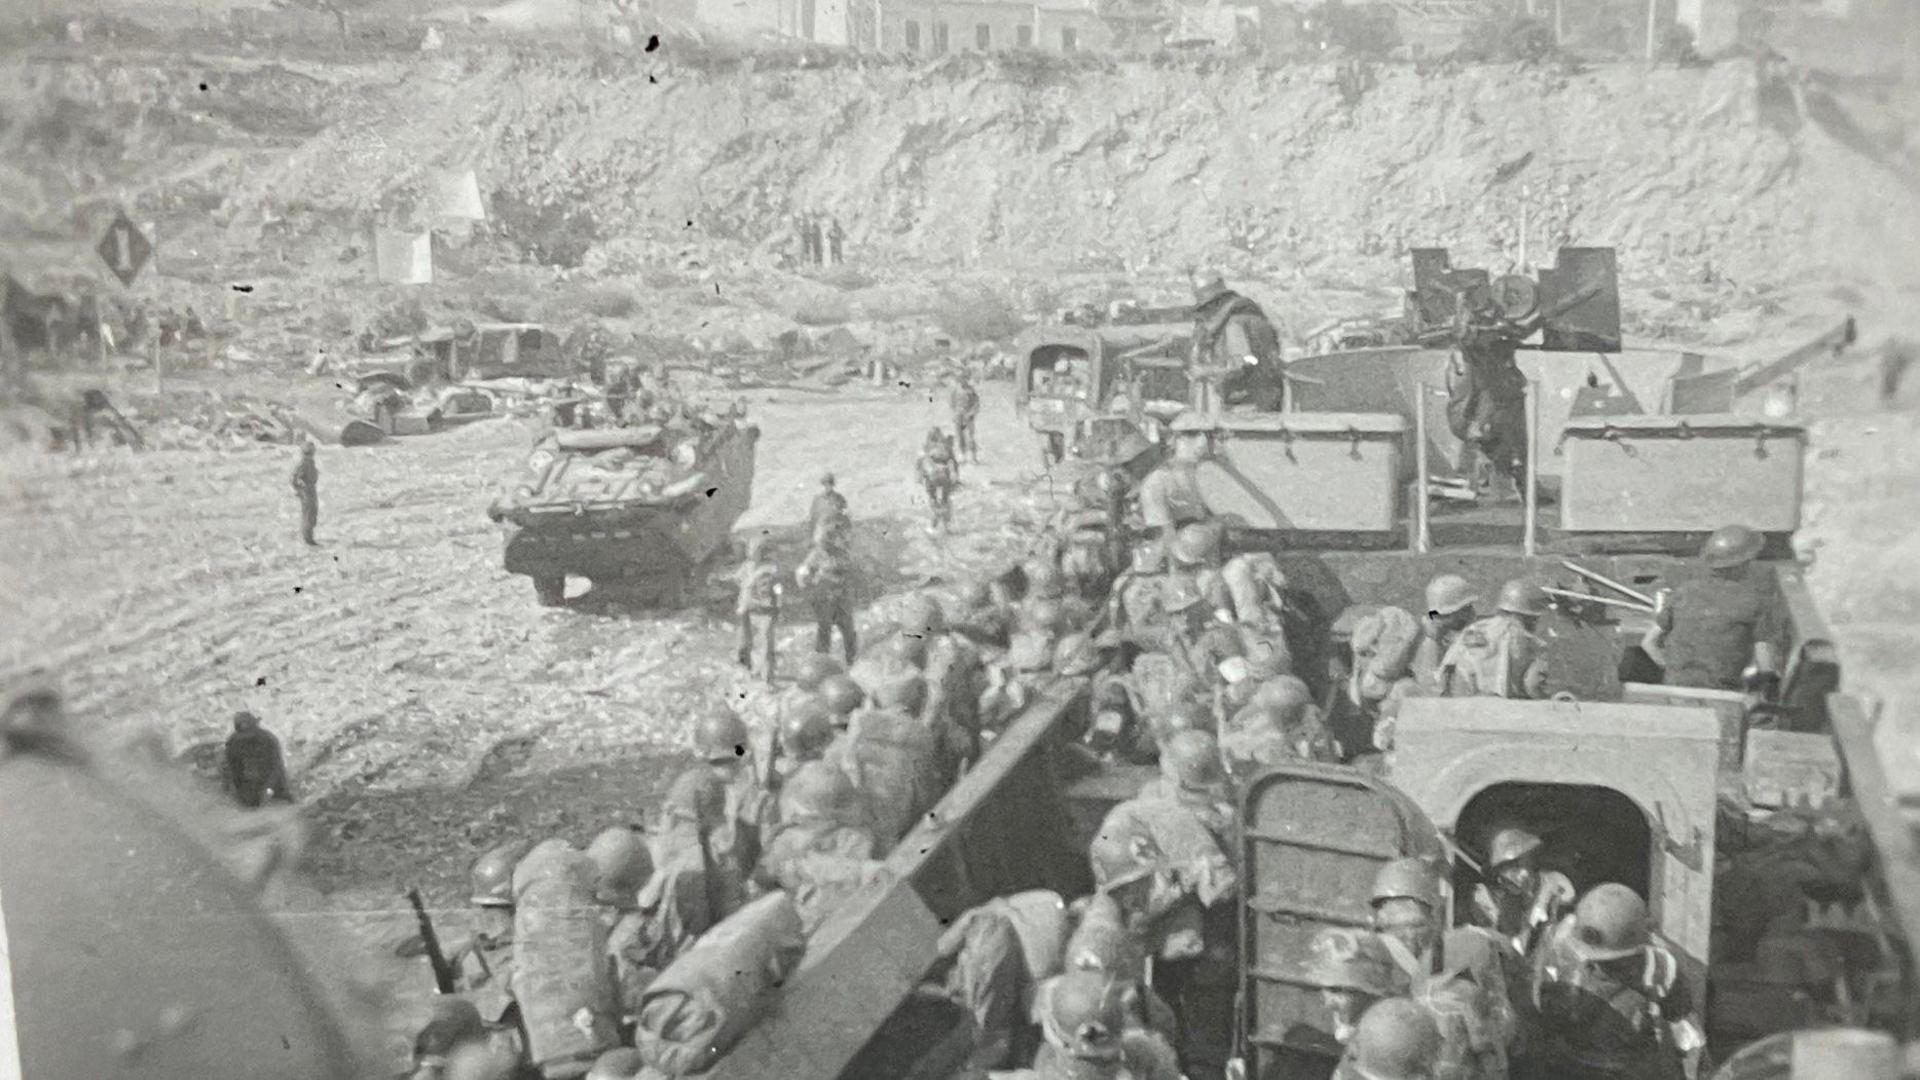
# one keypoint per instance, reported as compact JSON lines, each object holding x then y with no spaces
{"x":715,"y":991}
{"x":561,"y":979}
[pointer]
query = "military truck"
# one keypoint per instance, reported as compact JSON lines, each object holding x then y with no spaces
{"x":1671,"y":787}
{"x":646,"y":506}
{"x":1066,"y":375}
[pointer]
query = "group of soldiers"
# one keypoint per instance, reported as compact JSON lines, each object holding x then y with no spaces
{"x":1205,"y":664}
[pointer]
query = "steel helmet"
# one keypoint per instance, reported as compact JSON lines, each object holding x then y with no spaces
{"x":1196,"y":544}
{"x":1609,"y":923}
{"x":489,"y":1059}
{"x":1730,"y":546}
{"x":1449,"y":593}
{"x":1287,"y":693}
{"x":806,"y":727}
{"x":622,"y":864}
{"x":842,"y":695}
{"x":905,"y":693}
{"x":1342,"y":958}
{"x":1191,"y":760}
{"x":1408,"y":879}
{"x":1521,"y":597}
{"x":1396,"y":1040}
{"x":1083,"y":1013}
{"x":826,"y":479}
{"x":1510,"y":844}
{"x":619,"y":1063}
{"x":818,"y":791}
{"x":454,"y":1020}
{"x":1124,"y":850}
{"x":491,"y":878}
{"x":196,"y":984}
{"x":814,"y":669}
{"x":721,"y":735}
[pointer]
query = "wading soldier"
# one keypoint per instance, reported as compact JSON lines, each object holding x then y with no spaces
{"x":827,"y":577}
{"x":964,"y":402}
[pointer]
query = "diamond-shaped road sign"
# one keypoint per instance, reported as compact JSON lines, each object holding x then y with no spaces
{"x":125,"y":249}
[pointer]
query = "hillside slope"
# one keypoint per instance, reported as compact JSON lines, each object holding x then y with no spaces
{"x":1278,"y":174}
{"x":1143,"y":166}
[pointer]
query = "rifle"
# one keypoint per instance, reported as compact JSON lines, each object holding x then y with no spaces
{"x":773,"y":627}
{"x":442,"y":968}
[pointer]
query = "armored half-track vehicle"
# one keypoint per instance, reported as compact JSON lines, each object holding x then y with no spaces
{"x":646,"y":506}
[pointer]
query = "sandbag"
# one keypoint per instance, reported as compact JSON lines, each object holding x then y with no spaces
{"x":709,"y":997}
{"x":560,"y":975}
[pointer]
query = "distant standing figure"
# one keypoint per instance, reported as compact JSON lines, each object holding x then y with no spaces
{"x":759,"y":579}
{"x":827,"y":576}
{"x":253,"y":769}
{"x":803,"y":227}
{"x":964,"y":401}
{"x":827,"y":506}
{"x":938,"y":475}
{"x":835,"y":237}
{"x":306,"y":485}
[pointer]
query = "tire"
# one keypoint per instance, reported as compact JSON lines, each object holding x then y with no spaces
{"x":552,"y":591}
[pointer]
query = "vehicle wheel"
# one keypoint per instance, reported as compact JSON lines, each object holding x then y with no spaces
{"x":552,"y":591}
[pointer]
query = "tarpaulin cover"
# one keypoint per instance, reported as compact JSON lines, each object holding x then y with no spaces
{"x":701,"y":1005}
{"x":560,"y":974}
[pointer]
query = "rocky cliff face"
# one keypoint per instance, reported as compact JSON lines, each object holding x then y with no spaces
{"x":1305,"y":171}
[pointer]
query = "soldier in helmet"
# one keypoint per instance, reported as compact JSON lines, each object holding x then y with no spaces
{"x":1501,"y":655}
{"x":964,"y":402}
{"x":828,"y":506}
{"x":1450,"y":610}
{"x":1453,"y":974}
{"x":1395,"y":1040}
{"x":758,"y":600}
{"x":843,"y":697}
{"x":1159,"y":857}
{"x":635,"y":948}
{"x":1612,"y":1003}
{"x":453,"y":1032}
{"x":254,"y":770}
{"x":724,"y":799}
{"x":939,"y":473}
{"x":1236,"y":352}
{"x":1354,"y":973}
{"x":806,"y":727}
{"x":827,"y":577}
{"x":483,"y":964}
{"x":1170,"y":495}
{"x":1518,"y":901}
{"x":92,"y":991}
{"x":822,"y":852}
{"x":1720,"y":630}
{"x":1087,"y":1034}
